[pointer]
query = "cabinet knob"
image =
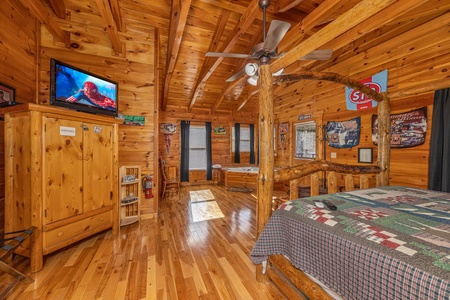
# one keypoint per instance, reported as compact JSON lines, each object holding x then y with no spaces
{"x":85,"y":128}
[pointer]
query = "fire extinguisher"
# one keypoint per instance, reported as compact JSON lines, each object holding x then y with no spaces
{"x":147,"y":183}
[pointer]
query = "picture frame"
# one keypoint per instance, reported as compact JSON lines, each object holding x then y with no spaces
{"x":7,"y":95}
{"x":365,"y":155}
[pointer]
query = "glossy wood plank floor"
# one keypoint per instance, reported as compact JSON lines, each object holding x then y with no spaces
{"x":166,"y":258}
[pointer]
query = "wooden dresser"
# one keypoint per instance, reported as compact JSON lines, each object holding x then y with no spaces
{"x":61,"y":175}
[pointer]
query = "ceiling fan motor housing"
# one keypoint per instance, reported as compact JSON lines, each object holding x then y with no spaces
{"x":264,"y":4}
{"x":262,"y":55}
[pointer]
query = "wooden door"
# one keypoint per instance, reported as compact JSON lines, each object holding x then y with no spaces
{"x":98,"y":166}
{"x":63,"y":166}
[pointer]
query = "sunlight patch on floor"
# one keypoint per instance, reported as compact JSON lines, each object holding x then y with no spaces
{"x":207,"y":210}
{"x":202,"y":195}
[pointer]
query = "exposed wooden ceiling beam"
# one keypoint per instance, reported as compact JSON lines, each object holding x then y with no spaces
{"x":115,"y":8}
{"x":179,"y":14}
{"x":241,"y":27}
{"x":38,"y":10}
{"x":59,"y":7}
{"x":343,"y":23}
{"x":111,"y":27}
{"x":229,"y":85}
{"x":316,"y":17}
{"x":285,"y":5}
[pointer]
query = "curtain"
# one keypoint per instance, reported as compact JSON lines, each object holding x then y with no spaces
{"x":208,"y":151}
{"x":439,"y":161}
{"x":237,"y":141}
{"x":252,"y":143}
{"x":184,"y":164}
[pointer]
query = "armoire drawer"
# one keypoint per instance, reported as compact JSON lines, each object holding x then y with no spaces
{"x":65,"y":235}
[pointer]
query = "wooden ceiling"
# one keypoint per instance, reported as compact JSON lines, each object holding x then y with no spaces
{"x":188,"y":29}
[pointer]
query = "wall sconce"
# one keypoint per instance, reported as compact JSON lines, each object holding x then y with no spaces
{"x":365,"y":155}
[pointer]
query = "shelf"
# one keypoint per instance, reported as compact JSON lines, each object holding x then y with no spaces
{"x":129,"y":182}
{"x":129,"y":190}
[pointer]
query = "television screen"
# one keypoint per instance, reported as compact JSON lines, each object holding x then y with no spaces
{"x":77,"y":89}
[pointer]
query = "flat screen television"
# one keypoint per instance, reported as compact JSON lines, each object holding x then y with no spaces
{"x":81,"y":90}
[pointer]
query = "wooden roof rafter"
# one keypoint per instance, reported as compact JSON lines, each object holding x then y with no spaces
{"x":241,"y":27}
{"x":229,"y":85}
{"x":179,"y":14}
{"x":285,"y":5}
{"x":38,"y":10}
{"x":110,"y":25}
{"x":115,"y":9}
{"x":59,"y":7}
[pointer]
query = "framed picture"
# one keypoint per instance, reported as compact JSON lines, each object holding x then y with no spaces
{"x":7,"y":95}
{"x":365,"y":155}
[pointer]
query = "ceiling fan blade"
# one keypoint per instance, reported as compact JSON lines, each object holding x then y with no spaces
{"x":276,"y":32}
{"x":236,"y":75}
{"x":223,"y":54}
{"x":318,"y":55}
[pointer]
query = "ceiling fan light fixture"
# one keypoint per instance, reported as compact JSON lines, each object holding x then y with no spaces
{"x":251,"y":69}
{"x":253,"y":80}
{"x":278,"y":73}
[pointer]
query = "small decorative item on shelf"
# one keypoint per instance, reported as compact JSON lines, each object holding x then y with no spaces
{"x":128,"y":178}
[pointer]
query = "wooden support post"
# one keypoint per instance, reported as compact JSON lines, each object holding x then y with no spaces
{"x":349,"y":184}
{"x":384,"y":140}
{"x":332,"y":183}
{"x":315,"y":182}
{"x":293,"y":189}
{"x":363,"y":182}
{"x":266,"y":163}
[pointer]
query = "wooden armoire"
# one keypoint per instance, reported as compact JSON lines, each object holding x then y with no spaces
{"x":61,"y":175}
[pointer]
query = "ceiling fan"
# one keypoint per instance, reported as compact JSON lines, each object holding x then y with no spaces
{"x":268,"y":49}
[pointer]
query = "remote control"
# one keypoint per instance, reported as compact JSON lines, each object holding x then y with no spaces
{"x":330,"y":205}
{"x":318,"y":204}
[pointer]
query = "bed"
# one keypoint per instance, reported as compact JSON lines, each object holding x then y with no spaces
{"x":380,"y":243}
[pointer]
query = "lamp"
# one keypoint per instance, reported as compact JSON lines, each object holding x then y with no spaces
{"x":251,"y":68}
{"x":253,"y":80}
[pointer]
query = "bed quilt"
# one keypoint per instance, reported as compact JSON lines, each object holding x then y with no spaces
{"x":381,"y":243}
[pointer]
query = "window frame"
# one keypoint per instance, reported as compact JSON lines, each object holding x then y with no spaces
{"x":296,"y":133}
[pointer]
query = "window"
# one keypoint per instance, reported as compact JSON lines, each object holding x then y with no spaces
{"x":197,"y":147}
{"x":305,"y":140}
{"x":244,"y":145}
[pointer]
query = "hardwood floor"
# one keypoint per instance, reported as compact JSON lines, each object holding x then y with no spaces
{"x":166,"y":258}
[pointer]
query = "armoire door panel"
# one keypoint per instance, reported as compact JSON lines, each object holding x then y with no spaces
{"x":98,"y":163}
{"x":63,"y":169}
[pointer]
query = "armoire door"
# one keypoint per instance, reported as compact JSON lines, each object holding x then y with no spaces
{"x":63,"y":169}
{"x":98,"y":166}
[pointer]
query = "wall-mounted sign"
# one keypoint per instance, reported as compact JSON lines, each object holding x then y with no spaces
{"x":344,"y":134}
{"x":407,"y":129}
{"x":304,"y":117}
{"x":220,"y":130}
{"x":134,"y":120}
{"x":168,"y":128}
{"x":358,"y":101}
{"x":67,"y":131}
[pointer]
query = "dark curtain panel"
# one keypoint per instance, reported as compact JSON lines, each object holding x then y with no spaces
{"x":208,"y":152}
{"x":237,"y":141}
{"x":184,"y":164}
{"x":439,"y":162}
{"x":252,"y":143}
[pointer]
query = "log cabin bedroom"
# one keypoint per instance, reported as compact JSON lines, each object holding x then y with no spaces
{"x":201,"y":149}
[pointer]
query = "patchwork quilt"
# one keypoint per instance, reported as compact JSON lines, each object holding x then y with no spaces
{"x":381,"y":243}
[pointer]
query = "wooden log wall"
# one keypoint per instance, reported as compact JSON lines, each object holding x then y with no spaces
{"x":409,"y":166}
{"x":18,"y":66}
{"x":221,"y":144}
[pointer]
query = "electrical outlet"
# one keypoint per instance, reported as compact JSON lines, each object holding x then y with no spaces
{"x":333,"y":155}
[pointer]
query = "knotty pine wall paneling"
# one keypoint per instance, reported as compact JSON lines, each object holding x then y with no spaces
{"x":221,"y":144}
{"x":133,"y":70}
{"x":19,"y":42}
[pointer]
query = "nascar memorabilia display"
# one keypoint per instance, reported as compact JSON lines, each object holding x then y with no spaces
{"x":344,"y":134}
{"x":356,"y":100}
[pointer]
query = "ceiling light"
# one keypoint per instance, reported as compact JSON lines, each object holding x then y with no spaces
{"x":253,"y":80}
{"x":251,"y":69}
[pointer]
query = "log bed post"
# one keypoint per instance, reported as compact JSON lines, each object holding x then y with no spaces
{"x":266,"y":160}
{"x":384,"y":140}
